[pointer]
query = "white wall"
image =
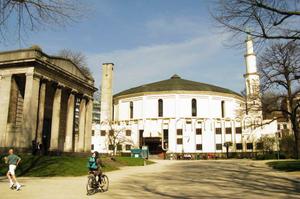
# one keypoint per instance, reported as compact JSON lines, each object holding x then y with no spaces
{"x":176,"y":106}
{"x":176,"y":113}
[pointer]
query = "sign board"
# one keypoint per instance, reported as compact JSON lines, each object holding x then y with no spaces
{"x":144,"y":147}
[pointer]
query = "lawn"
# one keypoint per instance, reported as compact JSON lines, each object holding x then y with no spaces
{"x":285,"y":165}
{"x":45,"y":166}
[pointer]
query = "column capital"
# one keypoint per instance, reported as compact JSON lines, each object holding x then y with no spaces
{"x":3,"y":76}
{"x":87,"y":97}
{"x":34,"y":75}
{"x":45,"y":79}
{"x":74,"y":91}
{"x":58,"y":85}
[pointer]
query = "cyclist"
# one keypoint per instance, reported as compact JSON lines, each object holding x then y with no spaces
{"x":94,"y":165}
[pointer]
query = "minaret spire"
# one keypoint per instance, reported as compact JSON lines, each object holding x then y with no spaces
{"x":252,"y":80}
{"x":250,"y":56}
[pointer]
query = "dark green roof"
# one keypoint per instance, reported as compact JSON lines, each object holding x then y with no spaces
{"x":175,"y":83}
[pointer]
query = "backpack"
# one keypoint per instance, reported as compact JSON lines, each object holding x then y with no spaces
{"x":92,"y":163}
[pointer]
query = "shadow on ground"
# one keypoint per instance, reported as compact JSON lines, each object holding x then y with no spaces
{"x":210,"y":179}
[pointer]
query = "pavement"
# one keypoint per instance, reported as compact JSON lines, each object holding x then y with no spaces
{"x":170,"y":179}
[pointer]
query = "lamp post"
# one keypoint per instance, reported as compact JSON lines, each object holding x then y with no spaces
{"x":227,"y":145}
{"x":277,"y":141}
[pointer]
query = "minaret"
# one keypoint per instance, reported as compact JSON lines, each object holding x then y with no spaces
{"x":253,"y":95}
{"x":106,"y":92}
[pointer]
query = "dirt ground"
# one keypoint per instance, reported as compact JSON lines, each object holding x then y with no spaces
{"x":170,"y":179}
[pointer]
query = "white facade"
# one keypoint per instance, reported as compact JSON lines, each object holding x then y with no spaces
{"x":173,"y":118}
{"x":177,"y":114}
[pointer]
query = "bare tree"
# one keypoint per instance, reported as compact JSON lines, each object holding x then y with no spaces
{"x":77,"y":58}
{"x":262,"y":19}
{"x":279,"y":67}
{"x":97,"y":95}
{"x":116,"y":136}
{"x":31,"y":15}
{"x":287,"y":145}
{"x":268,"y":143}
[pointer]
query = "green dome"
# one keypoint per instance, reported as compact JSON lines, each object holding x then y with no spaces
{"x":175,"y":83}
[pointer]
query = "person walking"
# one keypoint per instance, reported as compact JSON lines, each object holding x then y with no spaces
{"x":13,"y":161}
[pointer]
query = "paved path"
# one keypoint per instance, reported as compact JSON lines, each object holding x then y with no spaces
{"x":171,"y":179}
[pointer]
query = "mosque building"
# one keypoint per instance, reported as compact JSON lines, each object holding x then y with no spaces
{"x":179,"y":116}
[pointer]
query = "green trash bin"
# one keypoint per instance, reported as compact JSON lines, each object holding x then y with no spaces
{"x":136,"y":153}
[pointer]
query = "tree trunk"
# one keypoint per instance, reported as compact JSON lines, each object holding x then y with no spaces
{"x":115,"y":150}
{"x":297,"y":141}
{"x":296,"y":132}
{"x":227,"y":152}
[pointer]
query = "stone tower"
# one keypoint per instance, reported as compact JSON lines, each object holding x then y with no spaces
{"x":106,"y":92}
{"x":253,"y":96}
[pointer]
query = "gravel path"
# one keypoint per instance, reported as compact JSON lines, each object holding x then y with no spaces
{"x":170,"y":179}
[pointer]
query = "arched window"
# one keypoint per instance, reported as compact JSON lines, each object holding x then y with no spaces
{"x":223,"y":109}
{"x":194,"y":107}
{"x":131,"y":110}
{"x":160,"y":108}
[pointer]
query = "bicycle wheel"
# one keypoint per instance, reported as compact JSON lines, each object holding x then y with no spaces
{"x":104,"y":183}
{"x":90,"y":186}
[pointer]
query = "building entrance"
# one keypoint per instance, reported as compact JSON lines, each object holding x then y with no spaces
{"x":154,"y":145}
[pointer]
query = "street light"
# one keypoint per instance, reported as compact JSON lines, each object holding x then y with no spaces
{"x":278,"y":149}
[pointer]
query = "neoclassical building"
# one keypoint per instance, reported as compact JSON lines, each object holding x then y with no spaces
{"x":39,"y":98}
{"x":182,"y":116}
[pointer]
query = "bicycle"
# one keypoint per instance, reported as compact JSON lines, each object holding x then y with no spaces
{"x":93,"y":185}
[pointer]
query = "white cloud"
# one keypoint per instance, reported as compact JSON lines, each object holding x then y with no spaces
{"x":152,"y":63}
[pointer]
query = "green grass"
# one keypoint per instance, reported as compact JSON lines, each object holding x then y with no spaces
{"x":46,"y":166}
{"x":128,"y":161}
{"x":285,"y":165}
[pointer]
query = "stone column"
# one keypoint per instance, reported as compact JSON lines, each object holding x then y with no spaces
{"x":55,"y":119}
{"x":68,"y":146}
{"x":30,"y":109}
{"x":5,"y":87}
{"x":82,"y":110}
{"x":41,"y":111}
{"x":76,"y":142}
{"x":88,"y":126}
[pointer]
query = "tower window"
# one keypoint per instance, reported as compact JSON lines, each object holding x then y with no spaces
{"x":239,"y":146}
{"x":249,"y":146}
{"x":119,"y":147}
{"x":179,"y":140}
{"x":179,"y":131}
{"x":128,"y":147}
{"x":228,"y":130}
{"x":198,"y":131}
{"x":131,"y":110}
{"x":160,"y":108}
{"x":218,"y":130}
{"x":259,"y":146}
{"x":218,"y":146}
{"x":199,"y":147}
{"x":223,"y":109}
{"x":128,"y":132}
{"x":238,"y":130}
{"x":166,"y":137}
{"x":194,"y":107}
{"x":103,"y":133}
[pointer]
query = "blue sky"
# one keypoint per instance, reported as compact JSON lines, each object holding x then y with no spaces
{"x":148,"y":40}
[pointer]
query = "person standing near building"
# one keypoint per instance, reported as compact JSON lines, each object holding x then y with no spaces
{"x":13,"y":161}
